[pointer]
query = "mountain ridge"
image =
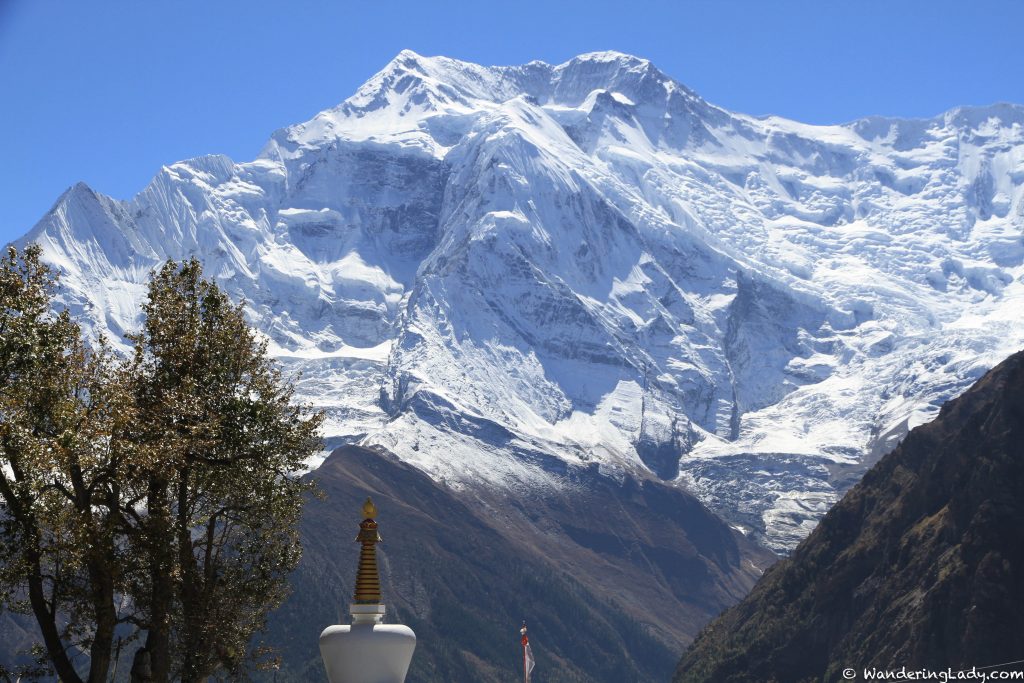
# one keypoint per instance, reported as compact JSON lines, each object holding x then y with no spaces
{"x":918,"y":566}
{"x":609,"y":590}
{"x":494,"y":270}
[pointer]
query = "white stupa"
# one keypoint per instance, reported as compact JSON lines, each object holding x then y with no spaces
{"x":367,"y":651}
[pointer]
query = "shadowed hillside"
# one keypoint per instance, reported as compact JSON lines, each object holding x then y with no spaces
{"x":610,"y":577}
{"x":920,"y":565}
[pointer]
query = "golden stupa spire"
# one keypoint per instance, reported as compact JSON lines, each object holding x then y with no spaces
{"x":368,"y":577}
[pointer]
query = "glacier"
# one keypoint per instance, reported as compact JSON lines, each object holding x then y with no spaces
{"x":497,"y":273}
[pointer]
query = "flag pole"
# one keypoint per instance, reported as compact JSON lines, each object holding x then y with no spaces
{"x":527,"y":655}
{"x":526,"y":672}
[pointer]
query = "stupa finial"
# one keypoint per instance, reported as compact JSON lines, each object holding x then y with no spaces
{"x":368,"y":577}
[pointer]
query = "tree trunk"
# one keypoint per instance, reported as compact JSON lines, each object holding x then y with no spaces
{"x":100,"y":555}
{"x":158,"y":636}
{"x":48,"y":624}
{"x":193,"y":641}
{"x":142,"y":670}
{"x":106,"y":620}
{"x":46,"y":618}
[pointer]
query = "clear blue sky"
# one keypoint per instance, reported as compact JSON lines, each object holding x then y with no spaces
{"x":107,"y":91}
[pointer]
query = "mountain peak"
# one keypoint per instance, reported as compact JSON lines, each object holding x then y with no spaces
{"x":408,"y":61}
{"x":561,"y":253}
{"x":407,"y":54}
{"x":609,"y":56}
{"x":78,"y":193}
{"x":976,"y":116}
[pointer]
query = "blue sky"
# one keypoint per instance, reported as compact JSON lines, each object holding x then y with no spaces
{"x":107,"y":91}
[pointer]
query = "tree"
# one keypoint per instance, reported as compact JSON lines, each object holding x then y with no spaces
{"x":224,"y":443}
{"x":157,"y":492}
{"x":59,"y":405}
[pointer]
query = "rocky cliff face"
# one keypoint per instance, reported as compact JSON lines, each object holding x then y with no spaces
{"x":611,"y":576}
{"x":920,"y":565}
{"x":496,"y":272}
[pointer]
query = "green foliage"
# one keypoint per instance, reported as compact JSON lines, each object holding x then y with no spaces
{"x":157,"y":492}
{"x":223,"y":443}
{"x":57,"y":412}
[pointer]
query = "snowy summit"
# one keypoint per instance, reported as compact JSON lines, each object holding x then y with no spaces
{"x":499,"y":273}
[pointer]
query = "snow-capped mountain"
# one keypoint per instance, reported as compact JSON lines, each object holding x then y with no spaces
{"x":500,"y":272}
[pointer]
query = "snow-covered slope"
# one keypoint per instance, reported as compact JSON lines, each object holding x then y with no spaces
{"x":498,"y":271}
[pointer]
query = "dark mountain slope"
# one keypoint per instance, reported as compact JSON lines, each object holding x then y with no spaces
{"x":920,"y":565}
{"x":611,"y":577}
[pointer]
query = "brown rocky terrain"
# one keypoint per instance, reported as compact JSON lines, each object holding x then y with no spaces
{"x":613,"y":577}
{"x":920,"y":565}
